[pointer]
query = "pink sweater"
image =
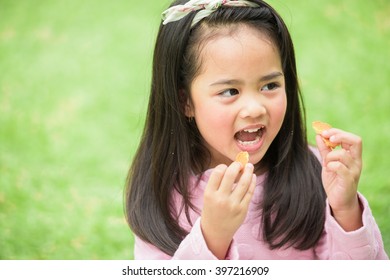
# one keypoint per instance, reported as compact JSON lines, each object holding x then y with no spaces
{"x":335,"y":243}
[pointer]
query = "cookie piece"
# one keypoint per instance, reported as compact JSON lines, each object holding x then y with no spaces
{"x":243,"y":158}
{"x":319,"y":127}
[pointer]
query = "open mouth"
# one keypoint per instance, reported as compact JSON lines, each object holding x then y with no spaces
{"x":248,"y":137}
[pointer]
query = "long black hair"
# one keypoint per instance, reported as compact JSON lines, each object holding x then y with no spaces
{"x":172,"y":149}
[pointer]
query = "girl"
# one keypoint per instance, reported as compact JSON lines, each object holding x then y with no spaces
{"x":224,"y":81}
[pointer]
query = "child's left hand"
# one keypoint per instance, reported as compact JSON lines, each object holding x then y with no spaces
{"x":341,"y":170}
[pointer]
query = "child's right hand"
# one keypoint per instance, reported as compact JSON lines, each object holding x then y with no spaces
{"x":226,"y":205}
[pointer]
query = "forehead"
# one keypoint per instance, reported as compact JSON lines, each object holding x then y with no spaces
{"x":238,"y":33}
{"x":211,"y":33}
{"x":228,"y":44}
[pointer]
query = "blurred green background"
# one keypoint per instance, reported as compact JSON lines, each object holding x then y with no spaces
{"x":74,"y":84}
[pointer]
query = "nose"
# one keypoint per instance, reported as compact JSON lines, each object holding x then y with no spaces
{"x":252,"y":106}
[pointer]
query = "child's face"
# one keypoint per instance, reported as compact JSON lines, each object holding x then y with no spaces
{"x":239,"y":98}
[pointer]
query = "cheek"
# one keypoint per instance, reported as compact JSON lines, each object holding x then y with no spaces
{"x":211,"y":117}
{"x":279,"y":110}
{"x":282,"y":107}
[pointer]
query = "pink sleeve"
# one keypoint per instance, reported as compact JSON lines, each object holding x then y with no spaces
{"x":362,"y":244}
{"x":193,"y":247}
{"x":146,"y":251}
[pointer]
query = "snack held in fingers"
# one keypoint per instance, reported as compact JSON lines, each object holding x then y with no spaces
{"x":319,"y":127}
{"x":243,"y":158}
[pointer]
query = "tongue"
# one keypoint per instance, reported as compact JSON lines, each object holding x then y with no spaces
{"x":246,"y":136}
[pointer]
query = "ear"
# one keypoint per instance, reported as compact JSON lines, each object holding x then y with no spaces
{"x":185,"y":100}
{"x":189,"y":109}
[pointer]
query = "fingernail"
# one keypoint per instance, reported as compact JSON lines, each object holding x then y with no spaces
{"x":249,"y":166}
{"x":221,"y":167}
{"x":325,"y":133}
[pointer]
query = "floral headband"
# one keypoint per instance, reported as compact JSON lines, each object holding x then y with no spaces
{"x":178,"y":12}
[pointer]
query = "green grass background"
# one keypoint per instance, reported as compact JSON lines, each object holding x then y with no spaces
{"x":74,"y":82}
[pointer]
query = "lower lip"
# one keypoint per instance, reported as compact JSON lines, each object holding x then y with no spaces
{"x":250,"y":148}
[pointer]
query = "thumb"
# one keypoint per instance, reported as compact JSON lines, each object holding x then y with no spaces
{"x":323,"y":149}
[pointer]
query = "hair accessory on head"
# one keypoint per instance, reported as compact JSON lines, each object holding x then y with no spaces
{"x":178,"y":12}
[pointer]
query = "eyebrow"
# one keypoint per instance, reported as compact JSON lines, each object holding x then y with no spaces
{"x":265,"y":78}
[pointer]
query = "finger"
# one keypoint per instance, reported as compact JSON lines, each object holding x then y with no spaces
{"x":244,"y":183}
{"x":249,"y":194}
{"x":216,"y":177}
{"x":231,"y":173}
{"x":341,"y":155}
{"x":346,"y":178}
{"x":322,"y":148}
{"x":342,"y":163}
{"x":347,"y":140}
{"x":337,"y":167}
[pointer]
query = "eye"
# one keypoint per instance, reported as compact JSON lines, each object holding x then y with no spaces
{"x":270,"y":87}
{"x":229,"y":92}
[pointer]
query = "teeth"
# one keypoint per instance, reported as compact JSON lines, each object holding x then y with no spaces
{"x":252,"y":130}
{"x":248,"y":143}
